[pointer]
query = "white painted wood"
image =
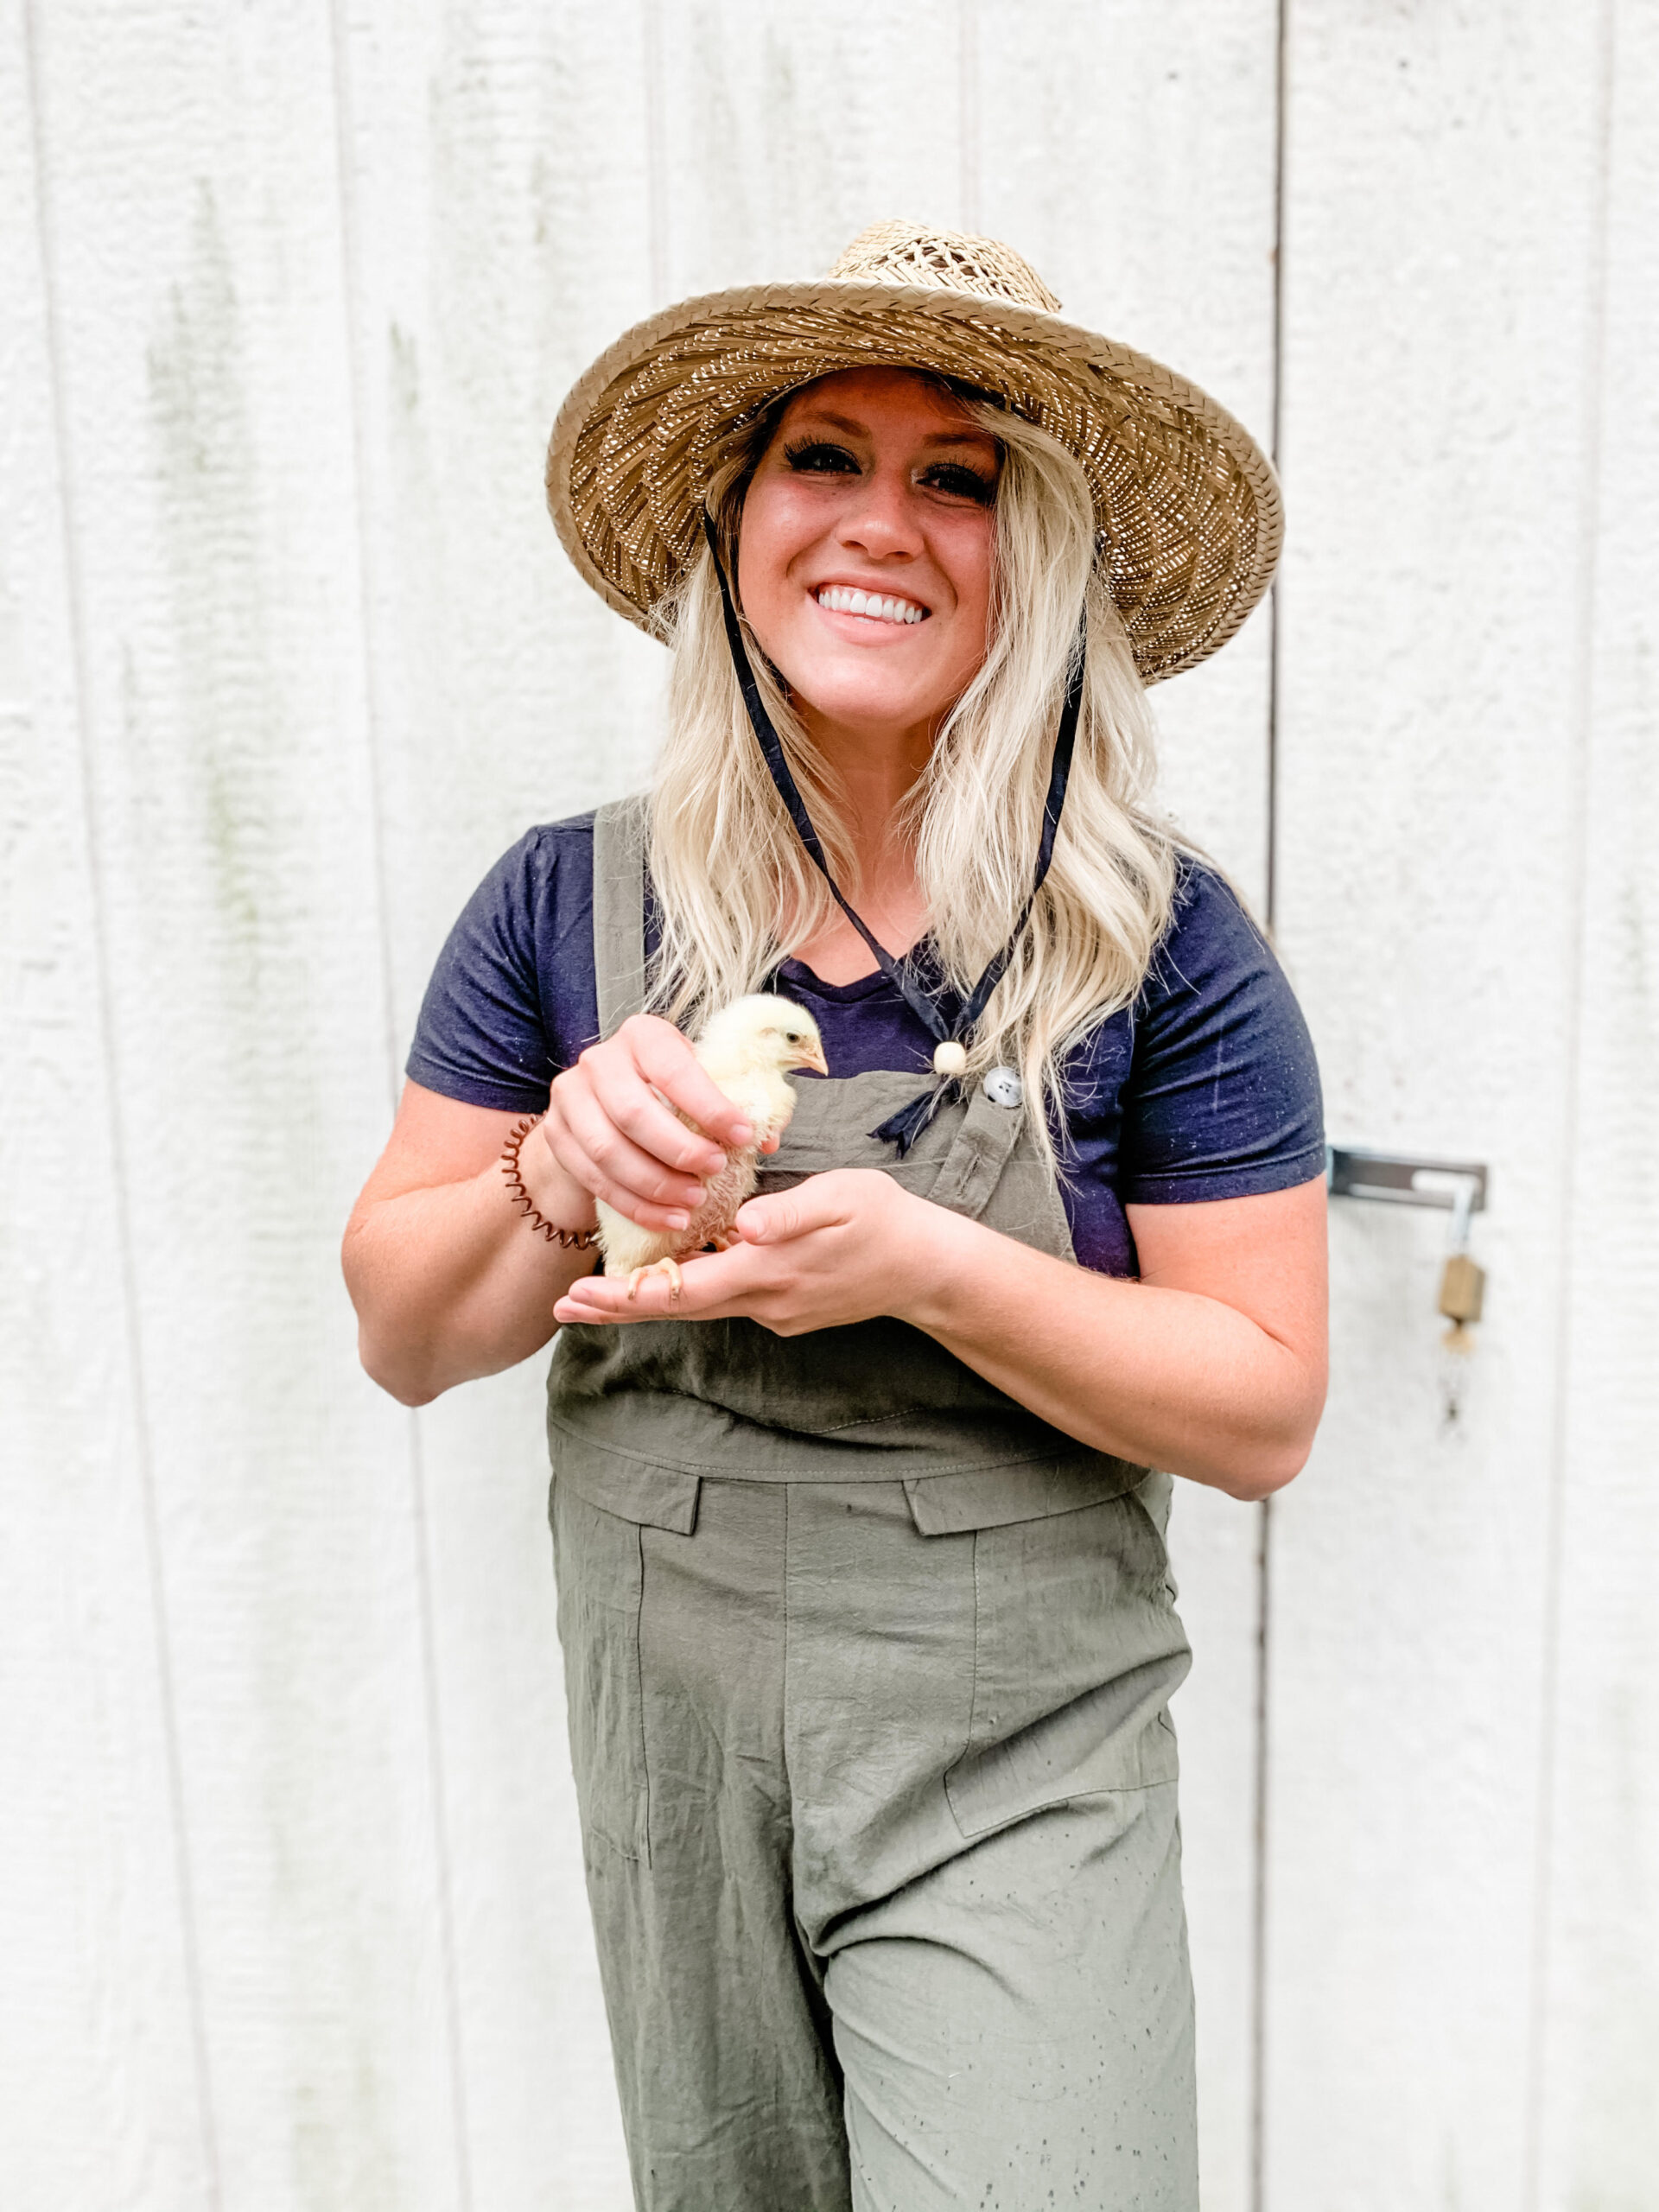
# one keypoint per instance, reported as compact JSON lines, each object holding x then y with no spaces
{"x":322,"y":278}
{"x":208,"y":465}
{"x":1596,"y":2027}
{"x":496,"y":201}
{"x":1130,"y":152}
{"x":98,"y":2020}
{"x":1441,"y":247}
{"x":787,"y":131}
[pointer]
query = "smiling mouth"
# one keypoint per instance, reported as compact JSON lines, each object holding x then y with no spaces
{"x":875,"y":606}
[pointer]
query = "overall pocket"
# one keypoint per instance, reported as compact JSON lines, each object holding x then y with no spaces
{"x":1077,"y":1649}
{"x":599,"y":1562}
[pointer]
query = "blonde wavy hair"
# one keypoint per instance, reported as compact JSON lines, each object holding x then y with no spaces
{"x":735,"y":889}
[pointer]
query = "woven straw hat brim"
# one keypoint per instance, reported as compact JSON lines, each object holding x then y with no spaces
{"x":1186,"y":500}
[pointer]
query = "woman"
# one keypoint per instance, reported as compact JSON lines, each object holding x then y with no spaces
{"x":862,"y":1584}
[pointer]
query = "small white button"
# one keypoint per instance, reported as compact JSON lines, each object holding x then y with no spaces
{"x":1004,"y":1088}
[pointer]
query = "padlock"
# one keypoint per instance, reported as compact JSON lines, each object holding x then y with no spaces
{"x":1463,"y":1286}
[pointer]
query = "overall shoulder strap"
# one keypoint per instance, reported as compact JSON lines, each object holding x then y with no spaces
{"x":619,"y":829}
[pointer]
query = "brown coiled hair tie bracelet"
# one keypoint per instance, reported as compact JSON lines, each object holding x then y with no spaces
{"x":574,"y":1240}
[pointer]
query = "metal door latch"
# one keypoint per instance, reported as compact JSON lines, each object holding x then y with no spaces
{"x":1459,"y":1187}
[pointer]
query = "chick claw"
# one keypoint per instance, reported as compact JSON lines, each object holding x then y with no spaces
{"x":669,"y":1267}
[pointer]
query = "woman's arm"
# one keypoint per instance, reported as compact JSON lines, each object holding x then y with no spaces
{"x":1212,"y":1365}
{"x":448,"y":1280}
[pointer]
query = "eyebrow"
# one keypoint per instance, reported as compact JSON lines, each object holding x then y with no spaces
{"x":970,"y":434}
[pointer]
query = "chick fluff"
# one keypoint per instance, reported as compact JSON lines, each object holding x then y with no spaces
{"x":746,"y":1049}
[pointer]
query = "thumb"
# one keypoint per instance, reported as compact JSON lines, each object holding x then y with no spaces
{"x":780,"y":1216}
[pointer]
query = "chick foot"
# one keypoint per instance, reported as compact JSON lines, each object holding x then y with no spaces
{"x":669,"y":1267}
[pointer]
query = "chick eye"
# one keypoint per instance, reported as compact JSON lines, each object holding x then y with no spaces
{"x":818,"y":457}
{"x":791,"y":1037}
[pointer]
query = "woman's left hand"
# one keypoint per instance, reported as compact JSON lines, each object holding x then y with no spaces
{"x":838,"y":1248}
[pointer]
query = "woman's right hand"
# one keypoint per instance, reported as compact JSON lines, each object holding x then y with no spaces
{"x":608,"y":1133}
{"x":447,"y":1281}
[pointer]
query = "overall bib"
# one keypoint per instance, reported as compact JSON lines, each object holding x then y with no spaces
{"x":868,"y":1672}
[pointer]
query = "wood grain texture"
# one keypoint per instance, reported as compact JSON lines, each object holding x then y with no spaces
{"x":1130,"y":152}
{"x":196,"y":261}
{"x":1595,"y":2122}
{"x":497,"y":206}
{"x":1440,"y":244}
{"x":289,"y":654}
{"x":101,"y":2018}
{"x":785,"y":132}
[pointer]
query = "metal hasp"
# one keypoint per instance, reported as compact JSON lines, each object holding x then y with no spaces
{"x":1459,"y":1186}
{"x":1352,"y":1173}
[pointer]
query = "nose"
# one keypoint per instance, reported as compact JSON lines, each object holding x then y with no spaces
{"x":883,"y":523}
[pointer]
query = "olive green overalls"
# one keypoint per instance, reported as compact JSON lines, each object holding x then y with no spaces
{"x":868,"y":1671}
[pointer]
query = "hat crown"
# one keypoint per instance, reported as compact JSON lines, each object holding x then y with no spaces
{"x":945,"y":260}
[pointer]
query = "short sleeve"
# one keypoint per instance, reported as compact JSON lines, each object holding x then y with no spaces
{"x":1222,"y":1098}
{"x":482,"y":1037}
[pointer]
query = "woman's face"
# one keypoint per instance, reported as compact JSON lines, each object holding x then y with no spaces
{"x":864,"y":563}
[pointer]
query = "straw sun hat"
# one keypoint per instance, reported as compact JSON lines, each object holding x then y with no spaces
{"x":1187,"y":505}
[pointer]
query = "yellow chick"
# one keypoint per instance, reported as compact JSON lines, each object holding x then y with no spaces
{"x":746,"y":1049}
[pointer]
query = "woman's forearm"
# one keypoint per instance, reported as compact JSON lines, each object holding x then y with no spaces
{"x":450,"y":1283}
{"x":1165,"y":1378}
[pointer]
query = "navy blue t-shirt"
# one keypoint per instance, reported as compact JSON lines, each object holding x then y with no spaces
{"x":1205,"y":1088}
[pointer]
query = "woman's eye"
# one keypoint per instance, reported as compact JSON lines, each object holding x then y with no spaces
{"x":961,"y":482}
{"x":817,"y":457}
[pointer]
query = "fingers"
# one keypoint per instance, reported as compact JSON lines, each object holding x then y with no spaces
{"x":626,"y":1077}
{"x":666,"y":1059}
{"x":609,"y":1128}
{"x":711,"y":1286}
{"x":594,"y":1155}
{"x":615,"y":1155}
{"x":838,"y":1248}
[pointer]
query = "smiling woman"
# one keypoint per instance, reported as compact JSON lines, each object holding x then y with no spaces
{"x":870,"y":516}
{"x":863,"y":1591}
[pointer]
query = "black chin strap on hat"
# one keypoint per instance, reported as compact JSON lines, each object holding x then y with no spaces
{"x":904,"y":1127}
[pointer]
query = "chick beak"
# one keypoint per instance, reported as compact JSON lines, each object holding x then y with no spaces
{"x":813,"y":1058}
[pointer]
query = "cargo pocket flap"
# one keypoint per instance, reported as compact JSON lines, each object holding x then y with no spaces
{"x":655,"y":1497}
{"x":992,"y":1498}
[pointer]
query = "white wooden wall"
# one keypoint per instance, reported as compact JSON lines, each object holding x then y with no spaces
{"x":290,"y":1908}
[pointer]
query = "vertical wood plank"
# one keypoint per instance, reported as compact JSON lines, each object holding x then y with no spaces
{"x":1441,"y":250}
{"x":786,"y":133}
{"x":1596,"y":2023}
{"x":101,"y":2013}
{"x":496,"y":191}
{"x":208,"y":456}
{"x":1131,"y":153}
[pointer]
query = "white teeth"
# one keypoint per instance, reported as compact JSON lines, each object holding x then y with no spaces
{"x":843,"y":598}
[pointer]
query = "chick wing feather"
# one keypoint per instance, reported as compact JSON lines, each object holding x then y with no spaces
{"x":626,"y":1246}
